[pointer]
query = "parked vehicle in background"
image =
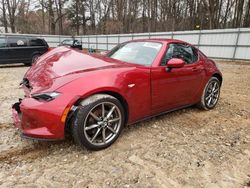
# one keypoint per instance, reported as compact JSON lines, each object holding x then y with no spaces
{"x":21,"y":49}
{"x":72,"y":43}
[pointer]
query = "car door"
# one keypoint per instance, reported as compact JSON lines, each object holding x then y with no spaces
{"x":176,"y":87}
{"x":18,"y":52}
{"x":4,"y":56}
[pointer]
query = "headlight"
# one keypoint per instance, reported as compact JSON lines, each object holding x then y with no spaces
{"x":49,"y":96}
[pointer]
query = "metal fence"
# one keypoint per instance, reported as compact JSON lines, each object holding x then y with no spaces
{"x":232,"y":44}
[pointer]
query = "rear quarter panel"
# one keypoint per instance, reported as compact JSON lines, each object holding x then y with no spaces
{"x":210,"y":70}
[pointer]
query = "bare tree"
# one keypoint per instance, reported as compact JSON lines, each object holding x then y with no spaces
{"x":247,"y":15}
{"x":4,"y":19}
{"x":124,"y":16}
{"x":12,"y":6}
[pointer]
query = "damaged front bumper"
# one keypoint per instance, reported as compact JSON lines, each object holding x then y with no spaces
{"x":16,"y":114}
{"x":39,"y":120}
{"x":42,"y":119}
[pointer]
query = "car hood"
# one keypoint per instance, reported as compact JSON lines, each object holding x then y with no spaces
{"x":65,"y":64}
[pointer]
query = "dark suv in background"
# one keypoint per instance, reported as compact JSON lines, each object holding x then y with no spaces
{"x":21,"y":49}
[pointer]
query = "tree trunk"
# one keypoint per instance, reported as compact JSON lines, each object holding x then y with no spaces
{"x":60,"y":17}
{"x":52,"y":25}
{"x":247,"y":14}
{"x":143,"y":16}
{"x":4,"y":17}
{"x":239,"y":13}
{"x":43,"y":16}
{"x":12,"y":10}
{"x":77,"y":17}
{"x":83,"y":20}
{"x":226,"y":13}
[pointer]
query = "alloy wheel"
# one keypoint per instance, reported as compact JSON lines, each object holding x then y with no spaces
{"x":102,"y":123}
{"x":212,"y":94}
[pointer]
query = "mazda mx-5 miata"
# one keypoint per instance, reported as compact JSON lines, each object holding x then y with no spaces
{"x":95,"y":96}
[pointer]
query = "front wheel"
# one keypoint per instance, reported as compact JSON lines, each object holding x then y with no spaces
{"x":98,"y":122}
{"x":211,"y":94}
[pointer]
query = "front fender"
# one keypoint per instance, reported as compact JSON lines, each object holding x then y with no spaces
{"x":137,"y":96}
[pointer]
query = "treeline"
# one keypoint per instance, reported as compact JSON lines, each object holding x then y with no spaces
{"x":121,"y":16}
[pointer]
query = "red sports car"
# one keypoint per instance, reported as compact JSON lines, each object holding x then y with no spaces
{"x":94,"y":96}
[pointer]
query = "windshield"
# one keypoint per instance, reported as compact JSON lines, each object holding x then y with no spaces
{"x":142,"y":53}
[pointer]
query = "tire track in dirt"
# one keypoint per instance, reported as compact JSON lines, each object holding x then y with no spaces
{"x":28,"y":152}
{"x":16,"y":153}
{"x":162,"y":178}
{"x":5,"y":126}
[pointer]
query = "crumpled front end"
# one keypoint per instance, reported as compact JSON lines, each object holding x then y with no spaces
{"x":41,"y":114}
{"x":41,"y":119}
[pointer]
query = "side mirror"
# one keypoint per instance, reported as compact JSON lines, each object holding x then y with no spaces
{"x":175,"y":63}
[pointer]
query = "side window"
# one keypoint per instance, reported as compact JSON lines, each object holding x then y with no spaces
{"x":3,"y":42}
{"x":17,"y":41}
{"x":36,"y":42}
{"x":185,"y":52}
{"x":168,"y":55}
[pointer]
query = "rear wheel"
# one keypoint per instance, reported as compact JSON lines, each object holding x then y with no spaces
{"x":98,"y":122}
{"x":34,"y":58}
{"x":211,"y":94}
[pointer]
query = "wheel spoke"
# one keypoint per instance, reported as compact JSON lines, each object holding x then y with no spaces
{"x":111,"y":129}
{"x":104,"y":135}
{"x":94,"y":116}
{"x":215,"y":96}
{"x":214,"y":87}
{"x":114,"y":120}
{"x":110,"y":113}
{"x":209,"y":101}
{"x":210,"y":87}
{"x":96,"y":134}
{"x":216,"y":90}
{"x":91,"y":127}
{"x":208,"y":96}
{"x":103,"y":110}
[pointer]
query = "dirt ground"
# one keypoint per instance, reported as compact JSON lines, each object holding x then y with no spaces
{"x":186,"y":148}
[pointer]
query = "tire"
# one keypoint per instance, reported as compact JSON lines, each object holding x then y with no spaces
{"x":34,"y":58}
{"x":210,"y":95}
{"x":94,"y":128}
{"x":27,"y":64}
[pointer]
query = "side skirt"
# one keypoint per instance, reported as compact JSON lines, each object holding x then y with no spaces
{"x":162,"y":113}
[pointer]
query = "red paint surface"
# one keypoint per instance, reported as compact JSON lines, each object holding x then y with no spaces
{"x":78,"y":75}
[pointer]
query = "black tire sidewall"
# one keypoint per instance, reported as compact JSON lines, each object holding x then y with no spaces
{"x":34,"y":58}
{"x":78,"y":124}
